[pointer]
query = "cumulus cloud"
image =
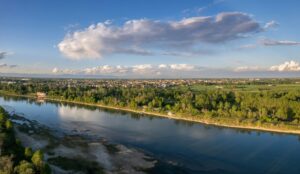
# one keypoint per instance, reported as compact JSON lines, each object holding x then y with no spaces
{"x":106,"y":69}
{"x":179,"y":67}
{"x":182,"y":67}
{"x":143,"y":36}
{"x":286,"y":66}
{"x":142,"y":68}
{"x":269,"y":42}
{"x":64,"y":71}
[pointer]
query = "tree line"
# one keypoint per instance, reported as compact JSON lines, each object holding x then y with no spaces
{"x":273,"y":105}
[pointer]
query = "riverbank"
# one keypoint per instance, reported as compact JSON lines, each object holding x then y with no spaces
{"x":221,"y":122}
{"x":14,"y":156}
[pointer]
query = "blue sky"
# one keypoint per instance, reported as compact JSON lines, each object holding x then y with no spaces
{"x":136,"y":38}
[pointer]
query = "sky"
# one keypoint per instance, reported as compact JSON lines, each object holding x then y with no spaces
{"x":150,"y":39}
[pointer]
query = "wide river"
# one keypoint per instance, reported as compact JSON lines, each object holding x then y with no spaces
{"x":179,"y":146}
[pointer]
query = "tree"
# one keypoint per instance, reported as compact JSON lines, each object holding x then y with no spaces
{"x":24,"y":168}
{"x":8,"y":124}
{"x":37,"y":160}
{"x":6,"y":165}
{"x":28,"y":152}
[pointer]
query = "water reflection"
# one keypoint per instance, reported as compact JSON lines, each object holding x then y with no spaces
{"x":188,"y":147}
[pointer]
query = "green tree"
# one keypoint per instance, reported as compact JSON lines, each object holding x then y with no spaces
{"x":37,"y":160}
{"x":24,"y":168}
{"x":28,"y":152}
{"x":8,"y":124}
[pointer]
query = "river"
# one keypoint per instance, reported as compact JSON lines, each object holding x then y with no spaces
{"x":179,"y":146}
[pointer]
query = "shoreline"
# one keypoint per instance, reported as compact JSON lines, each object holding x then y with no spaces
{"x":178,"y":117}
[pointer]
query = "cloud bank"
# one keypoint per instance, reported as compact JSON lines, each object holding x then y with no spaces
{"x":286,"y":66}
{"x":135,"y":70}
{"x":287,"y":69}
{"x":146,"y":37}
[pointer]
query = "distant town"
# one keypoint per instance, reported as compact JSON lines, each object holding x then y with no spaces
{"x":143,"y":83}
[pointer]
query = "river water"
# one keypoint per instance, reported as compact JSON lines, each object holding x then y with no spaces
{"x":179,"y":146}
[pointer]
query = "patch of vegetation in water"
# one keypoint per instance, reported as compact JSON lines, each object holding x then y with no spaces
{"x":77,"y":164}
{"x":34,"y":129}
{"x":111,"y":148}
{"x":74,"y":140}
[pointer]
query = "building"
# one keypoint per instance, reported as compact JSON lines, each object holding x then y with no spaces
{"x":41,"y":95}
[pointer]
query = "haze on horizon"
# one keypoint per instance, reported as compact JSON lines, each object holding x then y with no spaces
{"x":150,"y":39}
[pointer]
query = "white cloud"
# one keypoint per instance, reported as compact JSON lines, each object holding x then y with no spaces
{"x":64,"y":71}
{"x":143,"y":36}
{"x":182,"y":67}
{"x":286,"y":66}
{"x":269,"y":42}
{"x":55,"y":70}
{"x":271,"y":24}
{"x":142,"y":68}
{"x":162,"y":66}
{"x":247,"y":68}
{"x":106,"y":69}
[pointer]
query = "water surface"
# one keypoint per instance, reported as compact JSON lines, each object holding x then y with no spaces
{"x":180,"y":146}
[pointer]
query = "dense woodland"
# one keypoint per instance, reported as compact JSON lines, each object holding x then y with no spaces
{"x":14,"y":158}
{"x":259,"y":103}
